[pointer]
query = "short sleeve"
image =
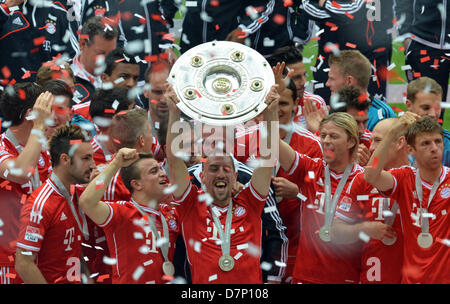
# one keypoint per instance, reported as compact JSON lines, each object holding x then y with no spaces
{"x":33,"y":225}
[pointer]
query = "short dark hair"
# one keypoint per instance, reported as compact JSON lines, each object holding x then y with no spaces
{"x":103,"y":100}
{"x":16,"y":100}
{"x":425,"y":124}
{"x":115,"y":57}
{"x":132,"y":171}
{"x":62,"y":141}
{"x":59,"y":87}
{"x":98,"y":26}
{"x":156,"y":66}
{"x":352,"y":98}
{"x":288,"y":54}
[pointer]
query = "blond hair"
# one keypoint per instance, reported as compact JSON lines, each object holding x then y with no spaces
{"x":353,"y":63}
{"x":347,"y":122}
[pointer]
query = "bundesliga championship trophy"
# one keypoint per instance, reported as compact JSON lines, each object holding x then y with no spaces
{"x":221,"y":83}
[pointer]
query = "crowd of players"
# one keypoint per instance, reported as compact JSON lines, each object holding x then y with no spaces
{"x":104,"y":180}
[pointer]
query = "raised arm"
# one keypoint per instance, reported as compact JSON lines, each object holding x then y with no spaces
{"x":262,"y":175}
{"x":30,"y":154}
{"x":375,"y":173}
{"x":90,"y":200}
{"x":179,"y":174}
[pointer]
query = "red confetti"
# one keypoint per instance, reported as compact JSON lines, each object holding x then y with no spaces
{"x":10,"y":275}
{"x":215,"y":3}
{"x":349,"y":15}
{"x":425,"y":59}
{"x":23,"y":199}
{"x":116,"y":141}
{"x":39,"y":40}
{"x":350,"y":45}
{"x":417,"y":74}
{"x":423,"y":52}
{"x":75,"y":141}
{"x":102,"y":277}
{"x":26,"y":75}
{"x":10,"y":258}
{"x":22,"y":94}
{"x":110,"y":111}
{"x":335,"y":4}
{"x":363,"y":97}
{"x":6,"y":72}
{"x":279,"y":19}
{"x":288,"y":3}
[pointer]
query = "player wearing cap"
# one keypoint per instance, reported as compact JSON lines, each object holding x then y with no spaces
{"x":52,"y":227}
{"x":363,"y":211}
{"x":140,"y":232}
{"x":422,"y":194}
{"x":237,"y":258}
{"x":320,"y":182}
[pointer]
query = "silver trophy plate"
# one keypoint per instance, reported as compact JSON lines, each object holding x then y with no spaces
{"x":221,"y":83}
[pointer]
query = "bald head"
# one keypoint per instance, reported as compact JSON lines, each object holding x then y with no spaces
{"x":398,"y":153}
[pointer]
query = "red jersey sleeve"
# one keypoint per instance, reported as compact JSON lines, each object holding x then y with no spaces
{"x":115,"y":211}
{"x":33,"y":224}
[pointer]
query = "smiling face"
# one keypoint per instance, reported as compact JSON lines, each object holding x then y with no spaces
{"x":219,"y":177}
{"x":153,"y":179}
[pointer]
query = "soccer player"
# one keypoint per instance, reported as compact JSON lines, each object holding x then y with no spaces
{"x":51,"y":225}
{"x":141,"y":232}
{"x":23,"y":163}
{"x":320,"y":183}
{"x":237,"y":258}
{"x":351,"y":67}
{"x":422,"y":196}
{"x":423,"y":97}
{"x":363,"y":211}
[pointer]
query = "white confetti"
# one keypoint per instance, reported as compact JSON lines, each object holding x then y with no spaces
{"x":364,"y":237}
{"x":301,"y":197}
{"x":138,"y":235}
{"x":270,"y":209}
{"x":138,"y":273}
{"x":280,"y":264}
{"x":170,"y":189}
{"x":362,"y":197}
{"x":212,"y":278}
{"x":238,"y":255}
{"x":149,"y":262}
{"x":242,"y":246}
{"x":109,"y":261}
{"x":266,"y":266}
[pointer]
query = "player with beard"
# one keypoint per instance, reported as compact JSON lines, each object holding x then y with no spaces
{"x":52,"y":226}
{"x":202,"y":214}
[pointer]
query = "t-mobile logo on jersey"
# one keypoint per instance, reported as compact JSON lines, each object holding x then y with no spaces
{"x":69,"y":238}
{"x":211,"y":227}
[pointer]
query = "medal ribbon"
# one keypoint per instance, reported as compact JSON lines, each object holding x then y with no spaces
{"x":165,"y":246}
{"x":83,"y":228}
{"x":224,"y":235}
{"x":424,"y":225}
{"x":330,"y":204}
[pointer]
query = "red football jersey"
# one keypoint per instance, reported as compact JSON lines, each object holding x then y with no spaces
{"x":12,"y":197}
{"x":100,"y":156}
{"x":299,"y":116}
{"x":201,"y":236}
{"x":302,"y":141}
{"x":431,"y":265}
{"x":380,"y":263}
{"x":365,"y":138}
{"x":82,"y":109}
{"x":48,"y":228}
{"x":134,"y":246}
{"x":318,"y":261}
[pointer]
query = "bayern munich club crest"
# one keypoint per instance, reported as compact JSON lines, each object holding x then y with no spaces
{"x":239,"y":211}
{"x":445,"y":192}
{"x":172,"y":224}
